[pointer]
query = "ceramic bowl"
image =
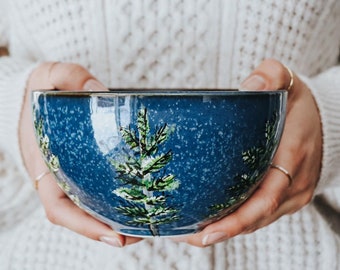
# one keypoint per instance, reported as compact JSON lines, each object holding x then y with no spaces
{"x":158,"y":162}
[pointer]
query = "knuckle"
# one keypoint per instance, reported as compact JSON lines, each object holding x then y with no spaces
{"x":306,"y":198}
{"x":52,"y":216}
{"x":271,"y":204}
{"x":276,"y":66}
{"x":69,"y":75}
{"x":54,"y":213}
{"x":242,"y":226}
{"x":301,"y":200}
{"x":295,"y":150}
{"x":271,"y":62}
{"x":251,"y":230}
{"x":74,"y":70}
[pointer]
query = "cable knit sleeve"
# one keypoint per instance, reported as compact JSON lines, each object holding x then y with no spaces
{"x":325,"y":88}
{"x":13,"y":76}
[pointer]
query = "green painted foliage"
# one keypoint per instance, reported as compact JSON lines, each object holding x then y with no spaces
{"x":52,"y":160}
{"x":145,"y":191}
{"x":255,"y":159}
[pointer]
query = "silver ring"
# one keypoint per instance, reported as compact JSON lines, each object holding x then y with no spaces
{"x":283,"y":170}
{"x":290,"y":86}
{"x":39,"y":177}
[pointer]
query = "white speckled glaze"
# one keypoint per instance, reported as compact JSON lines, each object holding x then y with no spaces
{"x":158,"y":162}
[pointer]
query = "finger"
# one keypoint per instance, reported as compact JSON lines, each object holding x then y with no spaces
{"x":63,"y":76}
{"x":69,"y":76}
{"x":225,"y":230}
{"x":273,"y":198}
{"x":288,"y":207}
{"x":272,"y":75}
{"x":264,"y":202}
{"x":298,"y":150}
{"x":269,"y":75}
{"x":60,"y":210}
{"x":296,"y":198}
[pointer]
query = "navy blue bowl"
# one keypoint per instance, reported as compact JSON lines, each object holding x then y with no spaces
{"x":158,"y":162}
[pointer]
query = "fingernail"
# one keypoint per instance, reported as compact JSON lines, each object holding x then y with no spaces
{"x":112,"y":241}
{"x":93,"y":84}
{"x":254,"y":82}
{"x":214,"y":238}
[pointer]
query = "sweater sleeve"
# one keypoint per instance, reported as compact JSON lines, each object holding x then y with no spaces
{"x":326,"y":91}
{"x":13,"y":76}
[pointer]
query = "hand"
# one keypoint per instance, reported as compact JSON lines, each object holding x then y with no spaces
{"x":299,"y":152}
{"x":59,"y":209}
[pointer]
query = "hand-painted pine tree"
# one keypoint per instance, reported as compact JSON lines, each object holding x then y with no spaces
{"x":146,"y":185}
{"x":256,"y":159}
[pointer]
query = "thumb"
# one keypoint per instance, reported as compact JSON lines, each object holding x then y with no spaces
{"x":69,"y":76}
{"x":269,"y":75}
{"x":63,"y":76}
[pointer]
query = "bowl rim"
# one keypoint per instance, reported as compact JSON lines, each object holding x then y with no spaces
{"x":157,"y":92}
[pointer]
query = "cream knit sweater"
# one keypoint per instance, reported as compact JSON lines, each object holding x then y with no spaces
{"x":168,"y":43}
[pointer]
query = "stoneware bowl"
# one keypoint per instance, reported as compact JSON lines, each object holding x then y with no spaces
{"x":158,"y":162}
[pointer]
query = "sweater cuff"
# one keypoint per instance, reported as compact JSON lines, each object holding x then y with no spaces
{"x":325,"y":89}
{"x":13,"y":77}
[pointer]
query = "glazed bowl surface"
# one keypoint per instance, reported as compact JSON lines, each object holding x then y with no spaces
{"x":158,"y":162}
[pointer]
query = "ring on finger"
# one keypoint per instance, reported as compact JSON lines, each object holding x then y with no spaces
{"x":291,"y":82}
{"x":38,"y":179}
{"x":284,"y":171}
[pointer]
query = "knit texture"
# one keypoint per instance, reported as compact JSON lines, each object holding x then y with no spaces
{"x":150,"y":43}
{"x":325,"y":88}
